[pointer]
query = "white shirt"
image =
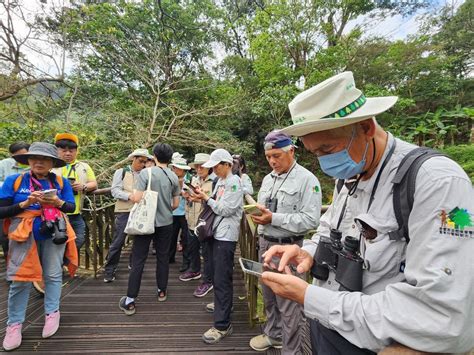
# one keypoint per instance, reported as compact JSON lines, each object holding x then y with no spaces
{"x":427,"y":307}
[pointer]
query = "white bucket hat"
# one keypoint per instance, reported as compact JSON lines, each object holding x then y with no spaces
{"x":141,"y":152}
{"x":218,"y":156}
{"x":199,"y":159}
{"x":334,"y":103}
{"x":179,"y":162}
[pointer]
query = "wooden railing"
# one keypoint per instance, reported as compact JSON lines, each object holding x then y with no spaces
{"x":98,"y":213}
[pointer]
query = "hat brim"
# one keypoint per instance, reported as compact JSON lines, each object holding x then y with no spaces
{"x":194,"y":163}
{"x":23,"y":159}
{"x":179,"y":166}
{"x":373,"y":107}
{"x":210,"y":164}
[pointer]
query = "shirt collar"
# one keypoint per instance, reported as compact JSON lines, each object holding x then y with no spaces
{"x":275,"y":174}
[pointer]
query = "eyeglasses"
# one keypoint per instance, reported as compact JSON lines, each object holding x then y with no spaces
{"x":142,"y":161}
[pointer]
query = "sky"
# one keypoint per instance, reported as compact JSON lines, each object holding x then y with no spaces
{"x":394,"y":28}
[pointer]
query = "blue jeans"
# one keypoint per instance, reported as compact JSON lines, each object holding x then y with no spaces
{"x":51,"y":258}
{"x":79,"y":226}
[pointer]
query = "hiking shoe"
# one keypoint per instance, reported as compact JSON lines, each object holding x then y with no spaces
{"x":214,"y":335}
{"x":51,"y":324}
{"x":263,"y":342}
{"x":12,"y":338}
{"x":128,"y":309}
{"x":188,"y":276}
{"x":203,"y":289}
{"x":210,"y":307}
{"x":109,"y":278}
{"x":162,"y":296}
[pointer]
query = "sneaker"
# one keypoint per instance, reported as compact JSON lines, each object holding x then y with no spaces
{"x":51,"y":324}
{"x":129,"y":266}
{"x":263,"y":342}
{"x":210,"y":307}
{"x":162,"y":296}
{"x":188,"y":276}
{"x":214,"y":335}
{"x":128,"y":309}
{"x":203,"y":289}
{"x":109,"y":278}
{"x":153,"y":251}
{"x":12,"y":338}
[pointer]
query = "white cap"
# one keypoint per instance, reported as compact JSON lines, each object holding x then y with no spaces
{"x":218,"y":156}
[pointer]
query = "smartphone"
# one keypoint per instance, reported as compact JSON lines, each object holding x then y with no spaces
{"x":255,"y":268}
{"x":50,"y":193}
{"x":252,"y":210}
{"x":193,"y":189}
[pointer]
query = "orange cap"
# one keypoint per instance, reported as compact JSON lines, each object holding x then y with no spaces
{"x":68,"y":136}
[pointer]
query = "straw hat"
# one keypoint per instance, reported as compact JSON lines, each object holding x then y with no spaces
{"x":140,"y":153}
{"x":199,"y":159}
{"x":334,"y":103}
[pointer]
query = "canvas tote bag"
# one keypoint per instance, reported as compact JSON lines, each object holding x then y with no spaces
{"x":141,"y":220}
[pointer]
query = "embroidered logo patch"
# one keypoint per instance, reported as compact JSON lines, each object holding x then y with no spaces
{"x":457,"y":222}
{"x":316,"y":188}
{"x":233,"y":188}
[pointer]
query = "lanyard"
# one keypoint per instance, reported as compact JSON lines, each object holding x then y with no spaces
{"x":279,"y":187}
{"x":35,"y":185}
{"x":374,"y":189}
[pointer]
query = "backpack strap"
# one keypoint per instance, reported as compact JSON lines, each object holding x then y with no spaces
{"x":404,"y":184}
{"x":17,"y":183}
{"x":60,"y":181}
{"x":125,"y":170}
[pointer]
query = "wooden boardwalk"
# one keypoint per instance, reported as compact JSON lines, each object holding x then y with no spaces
{"x":92,"y":323}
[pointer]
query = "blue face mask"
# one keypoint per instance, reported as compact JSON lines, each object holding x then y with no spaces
{"x":340,"y":165}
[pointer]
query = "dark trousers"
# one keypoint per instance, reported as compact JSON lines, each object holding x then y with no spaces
{"x":223,"y":260}
{"x":141,"y":246}
{"x":329,"y":342}
{"x":115,"y":250}
{"x":79,"y":226}
{"x":179,"y":224}
{"x":208,"y":274}
{"x":191,"y":252}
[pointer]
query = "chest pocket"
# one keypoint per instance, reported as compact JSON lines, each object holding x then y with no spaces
{"x":288,"y":199}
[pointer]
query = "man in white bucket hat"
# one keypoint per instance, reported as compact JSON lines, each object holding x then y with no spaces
{"x":392,"y":257}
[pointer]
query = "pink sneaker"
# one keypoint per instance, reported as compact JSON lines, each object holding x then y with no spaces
{"x":51,"y":324}
{"x":12,"y":337}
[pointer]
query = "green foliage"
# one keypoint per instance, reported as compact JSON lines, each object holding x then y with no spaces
{"x":463,"y":155}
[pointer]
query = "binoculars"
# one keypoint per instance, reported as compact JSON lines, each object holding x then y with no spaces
{"x":57,"y":228}
{"x":344,"y":259}
{"x":271,"y":204}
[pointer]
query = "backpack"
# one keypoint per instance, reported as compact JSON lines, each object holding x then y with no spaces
{"x":404,"y":184}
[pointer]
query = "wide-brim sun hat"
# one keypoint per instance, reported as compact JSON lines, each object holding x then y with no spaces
{"x":41,"y":149}
{"x":336,"y":102}
{"x":199,"y":159}
{"x":180,"y":163}
{"x":218,"y":156}
{"x":141,"y":152}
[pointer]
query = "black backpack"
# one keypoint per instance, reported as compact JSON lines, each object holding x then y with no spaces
{"x":404,"y":184}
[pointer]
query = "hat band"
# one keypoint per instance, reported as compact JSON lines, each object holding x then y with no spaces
{"x":353,"y":106}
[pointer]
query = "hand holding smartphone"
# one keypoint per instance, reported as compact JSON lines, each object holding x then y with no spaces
{"x":255,"y":268}
{"x":191,"y":187}
{"x":50,"y":193}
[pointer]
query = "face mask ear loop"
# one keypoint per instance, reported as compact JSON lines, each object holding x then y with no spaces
{"x":356,"y":183}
